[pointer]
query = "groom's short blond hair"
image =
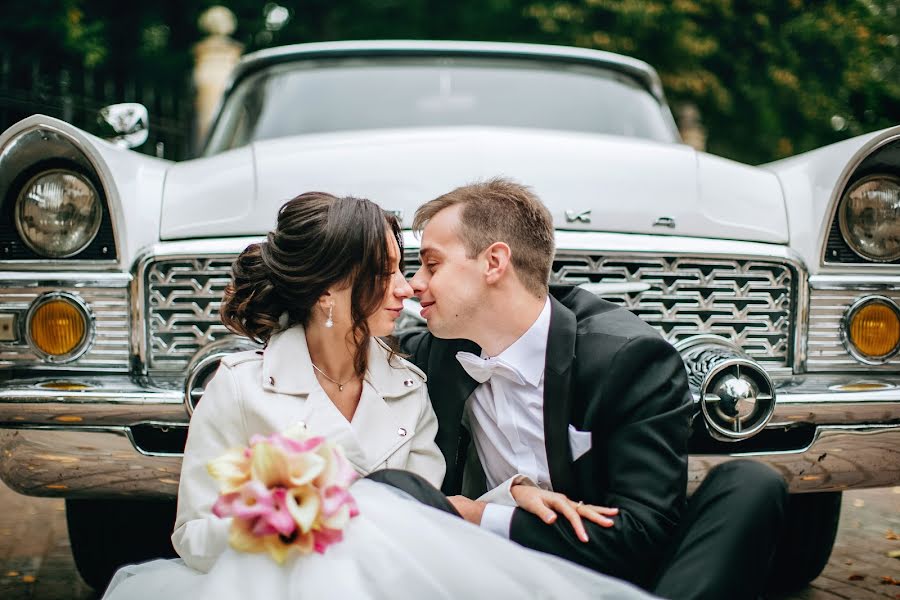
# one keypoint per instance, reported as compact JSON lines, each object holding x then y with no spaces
{"x":501,"y":210}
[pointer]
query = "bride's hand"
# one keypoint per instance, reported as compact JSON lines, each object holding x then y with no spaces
{"x":546,"y":505}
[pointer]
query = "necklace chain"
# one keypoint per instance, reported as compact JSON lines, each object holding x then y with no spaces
{"x":334,"y":381}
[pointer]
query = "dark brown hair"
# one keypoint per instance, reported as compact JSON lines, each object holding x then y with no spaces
{"x":501,"y":210}
{"x":319,"y":241}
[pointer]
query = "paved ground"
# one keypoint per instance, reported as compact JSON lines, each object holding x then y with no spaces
{"x":36,"y":562}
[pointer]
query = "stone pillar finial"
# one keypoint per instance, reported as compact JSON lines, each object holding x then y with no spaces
{"x":214,"y":58}
{"x":692,"y":130}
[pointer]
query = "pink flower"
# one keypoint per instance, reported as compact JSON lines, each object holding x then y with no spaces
{"x":323,"y":538}
{"x":252,"y":500}
{"x":279,"y":518}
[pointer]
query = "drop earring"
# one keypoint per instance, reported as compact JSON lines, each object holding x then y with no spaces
{"x":329,"y":322}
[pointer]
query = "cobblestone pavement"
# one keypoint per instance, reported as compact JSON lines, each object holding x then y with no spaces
{"x":36,"y":561}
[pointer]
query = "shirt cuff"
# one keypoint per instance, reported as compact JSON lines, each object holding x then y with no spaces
{"x":497,"y":518}
{"x":502,"y":494}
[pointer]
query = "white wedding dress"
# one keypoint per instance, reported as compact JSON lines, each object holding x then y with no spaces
{"x":395,"y":549}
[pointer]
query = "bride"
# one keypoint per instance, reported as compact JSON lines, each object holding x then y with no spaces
{"x":318,"y":293}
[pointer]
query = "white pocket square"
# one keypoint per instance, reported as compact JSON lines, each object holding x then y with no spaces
{"x":579,"y":442}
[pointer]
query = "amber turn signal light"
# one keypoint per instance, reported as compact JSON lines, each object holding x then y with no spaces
{"x":57,"y":328}
{"x":873,"y":328}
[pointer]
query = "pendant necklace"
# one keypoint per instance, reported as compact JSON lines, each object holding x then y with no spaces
{"x":334,"y":381}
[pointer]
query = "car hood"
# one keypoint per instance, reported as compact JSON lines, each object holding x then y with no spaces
{"x":589,"y":182}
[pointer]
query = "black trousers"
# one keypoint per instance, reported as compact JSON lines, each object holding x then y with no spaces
{"x":723,"y":546}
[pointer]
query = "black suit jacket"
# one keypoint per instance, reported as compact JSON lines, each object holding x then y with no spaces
{"x":609,"y":373}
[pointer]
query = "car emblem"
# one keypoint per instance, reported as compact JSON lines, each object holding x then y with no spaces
{"x":580,"y":217}
{"x":665,"y":222}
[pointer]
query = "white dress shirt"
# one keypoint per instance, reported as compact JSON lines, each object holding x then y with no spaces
{"x":505,"y":415}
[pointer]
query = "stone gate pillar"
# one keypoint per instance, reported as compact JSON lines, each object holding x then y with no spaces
{"x":214,"y":58}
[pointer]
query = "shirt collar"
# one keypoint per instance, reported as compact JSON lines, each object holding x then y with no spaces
{"x":528,"y":353}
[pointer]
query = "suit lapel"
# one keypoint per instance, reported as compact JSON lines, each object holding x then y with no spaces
{"x":557,"y":403}
{"x":449,"y":387}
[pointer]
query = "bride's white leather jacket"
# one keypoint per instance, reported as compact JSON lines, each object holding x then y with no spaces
{"x":270,"y":390}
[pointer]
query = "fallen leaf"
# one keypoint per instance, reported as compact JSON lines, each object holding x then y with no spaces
{"x":856,"y":577}
{"x":890,"y":535}
{"x":28,"y":578}
{"x":889,"y":580}
{"x":894,"y":554}
{"x":12,"y":574}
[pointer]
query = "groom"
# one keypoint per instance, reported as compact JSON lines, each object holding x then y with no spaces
{"x":548,"y":403}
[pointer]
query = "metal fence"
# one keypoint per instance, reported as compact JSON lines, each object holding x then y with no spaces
{"x":29,"y":85}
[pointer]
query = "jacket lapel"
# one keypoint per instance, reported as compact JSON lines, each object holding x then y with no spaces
{"x":449,"y":387}
{"x":557,"y":402}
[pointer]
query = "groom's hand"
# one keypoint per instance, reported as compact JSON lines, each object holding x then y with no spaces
{"x":546,"y":505}
{"x":470,"y":510}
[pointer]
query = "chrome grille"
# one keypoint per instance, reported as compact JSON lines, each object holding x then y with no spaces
{"x":825,"y":350}
{"x":110,"y":349}
{"x":183,"y":296}
{"x":749,"y":302}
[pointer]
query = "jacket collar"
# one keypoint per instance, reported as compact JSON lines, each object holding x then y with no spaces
{"x":287,"y":368}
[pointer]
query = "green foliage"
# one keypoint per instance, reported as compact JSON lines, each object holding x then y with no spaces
{"x":771,"y":77}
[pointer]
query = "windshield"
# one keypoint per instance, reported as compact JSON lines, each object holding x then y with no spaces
{"x":319,"y":96}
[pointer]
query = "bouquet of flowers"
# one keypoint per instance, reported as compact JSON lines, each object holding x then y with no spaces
{"x":284,"y":491}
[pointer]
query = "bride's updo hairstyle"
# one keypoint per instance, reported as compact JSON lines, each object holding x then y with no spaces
{"x":320,"y":241}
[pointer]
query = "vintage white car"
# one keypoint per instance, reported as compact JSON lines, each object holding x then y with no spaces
{"x":779,"y":284}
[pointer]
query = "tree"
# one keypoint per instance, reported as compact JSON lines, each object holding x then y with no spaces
{"x":772,"y":77}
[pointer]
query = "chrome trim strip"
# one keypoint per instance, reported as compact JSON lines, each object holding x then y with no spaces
{"x":64,"y":278}
{"x":837,"y":194}
{"x":839,"y":458}
{"x":860,"y":282}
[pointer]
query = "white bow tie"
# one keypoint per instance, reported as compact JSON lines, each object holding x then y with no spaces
{"x":482,"y":369}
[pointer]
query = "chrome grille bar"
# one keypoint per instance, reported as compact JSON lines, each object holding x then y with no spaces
{"x":749,"y":302}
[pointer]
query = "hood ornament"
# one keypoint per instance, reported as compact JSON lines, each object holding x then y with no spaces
{"x":578,"y":217}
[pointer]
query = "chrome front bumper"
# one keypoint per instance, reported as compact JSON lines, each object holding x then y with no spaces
{"x":94,"y":441}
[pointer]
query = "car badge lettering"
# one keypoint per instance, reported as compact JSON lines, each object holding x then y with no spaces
{"x":578,"y":217}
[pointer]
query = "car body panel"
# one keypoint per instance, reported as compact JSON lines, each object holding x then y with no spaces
{"x":574,"y":173}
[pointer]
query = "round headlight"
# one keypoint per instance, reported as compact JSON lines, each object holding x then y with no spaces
{"x":872,"y":329}
{"x":870,"y":218}
{"x":58,"y":213}
{"x":58,"y":327}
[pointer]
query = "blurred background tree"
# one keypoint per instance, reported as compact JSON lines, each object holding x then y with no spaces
{"x":771,"y":78}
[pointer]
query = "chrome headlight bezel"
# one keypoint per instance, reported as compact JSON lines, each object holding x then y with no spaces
{"x":92,"y":226}
{"x":847,"y":319}
{"x":852,"y":240}
{"x":89,"y":330}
